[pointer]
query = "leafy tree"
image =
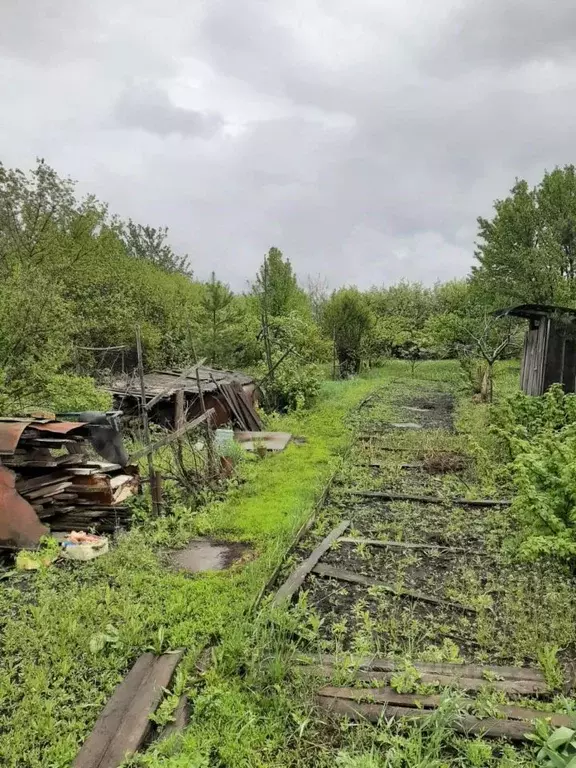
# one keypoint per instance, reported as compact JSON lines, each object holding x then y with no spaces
{"x":219,"y":321}
{"x":276,"y":285}
{"x":527,"y":251}
{"x":347,"y":320}
{"x":150,"y":244}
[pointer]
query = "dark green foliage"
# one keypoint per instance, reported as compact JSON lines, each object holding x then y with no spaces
{"x":347,"y":319}
{"x":527,"y":251}
{"x":540,"y":435}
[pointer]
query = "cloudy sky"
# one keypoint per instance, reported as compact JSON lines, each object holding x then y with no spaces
{"x":362,"y":138}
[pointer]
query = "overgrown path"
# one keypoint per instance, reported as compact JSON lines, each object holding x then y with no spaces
{"x":457,"y":597}
{"x":53,"y":685}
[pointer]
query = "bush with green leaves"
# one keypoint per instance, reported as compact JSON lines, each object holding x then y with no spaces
{"x":294,"y":387}
{"x":539,"y":434}
{"x":557,"y":749}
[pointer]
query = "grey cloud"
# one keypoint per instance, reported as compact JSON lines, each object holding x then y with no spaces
{"x":503,"y":33}
{"x":149,"y":107}
{"x":364,"y":141}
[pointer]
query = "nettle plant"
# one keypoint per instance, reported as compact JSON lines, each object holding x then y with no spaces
{"x":540,"y":434}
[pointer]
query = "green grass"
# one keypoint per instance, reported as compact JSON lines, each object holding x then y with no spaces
{"x":251,"y":711}
{"x":52,"y":687}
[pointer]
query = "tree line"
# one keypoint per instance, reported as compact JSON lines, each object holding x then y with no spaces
{"x":76,"y":280}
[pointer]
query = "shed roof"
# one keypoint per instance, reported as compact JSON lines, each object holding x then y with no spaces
{"x":158,"y":382}
{"x":534,"y":310}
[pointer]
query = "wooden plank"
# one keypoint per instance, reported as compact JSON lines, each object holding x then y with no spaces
{"x":111,"y":716}
{"x":390,"y":696}
{"x":481,"y":671}
{"x":47,"y":490}
{"x":296,"y":578}
{"x":171,"y":437}
{"x":181,"y":717}
{"x":510,"y":687}
{"x":136,"y":723}
{"x":408,"y":545}
{"x":396,"y":496}
{"x":330,"y":572}
{"x":467,"y":724}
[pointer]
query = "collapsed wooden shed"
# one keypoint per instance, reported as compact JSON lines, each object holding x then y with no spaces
{"x":549,"y":347}
{"x":232,"y":394}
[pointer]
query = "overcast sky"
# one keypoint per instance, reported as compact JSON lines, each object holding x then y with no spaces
{"x":362,"y":138}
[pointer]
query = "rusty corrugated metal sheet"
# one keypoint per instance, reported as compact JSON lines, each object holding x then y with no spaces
{"x":58,"y":427}
{"x":11,"y":431}
{"x":10,"y":434}
{"x":19,"y":523}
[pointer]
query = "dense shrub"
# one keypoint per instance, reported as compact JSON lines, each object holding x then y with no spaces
{"x":540,"y":436}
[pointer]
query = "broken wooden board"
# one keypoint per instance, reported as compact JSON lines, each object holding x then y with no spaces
{"x":181,"y":717}
{"x":409,"y":545}
{"x":125,"y":722}
{"x":460,"y":502}
{"x":330,"y":572}
{"x":390,"y":696}
{"x":296,"y":578}
{"x":468,"y":724}
{"x":509,"y":687}
{"x":483,"y":671}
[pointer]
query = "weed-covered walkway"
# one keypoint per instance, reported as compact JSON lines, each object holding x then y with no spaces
{"x":53,"y":686}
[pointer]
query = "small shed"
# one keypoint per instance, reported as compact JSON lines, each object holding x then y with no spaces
{"x":232,"y":394}
{"x":549,"y":346}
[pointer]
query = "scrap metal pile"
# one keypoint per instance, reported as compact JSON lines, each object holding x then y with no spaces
{"x":52,"y":472}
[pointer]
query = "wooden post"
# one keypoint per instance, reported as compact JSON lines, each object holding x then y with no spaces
{"x":178,"y":408}
{"x":156,"y":490}
{"x":208,"y":428}
{"x":144,"y":414}
{"x":334,"y":354}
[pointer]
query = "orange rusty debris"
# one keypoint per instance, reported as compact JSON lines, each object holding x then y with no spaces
{"x":19,"y":523}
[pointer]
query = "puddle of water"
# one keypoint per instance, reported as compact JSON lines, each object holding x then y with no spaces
{"x":407,"y":425}
{"x":205,"y":555}
{"x":416,"y":410}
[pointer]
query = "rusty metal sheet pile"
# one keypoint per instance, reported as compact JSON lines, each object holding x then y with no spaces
{"x":47,"y":474}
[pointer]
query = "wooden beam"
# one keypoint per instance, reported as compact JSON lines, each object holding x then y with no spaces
{"x":509,"y":687}
{"x":467,"y":724}
{"x":330,"y":572}
{"x":296,"y":578}
{"x":409,"y":545}
{"x":460,"y":502}
{"x":136,"y":724}
{"x":481,"y":671}
{"x":173,"y":386}
{"x":108,"y":723}
{"x":171,"y":437}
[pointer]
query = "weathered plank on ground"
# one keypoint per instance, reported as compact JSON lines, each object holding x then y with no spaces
{"x":461,"y":502}
{"x":125,"y":721}
{"x":296,"y":578}
{"x":408,"y":545}
{"x":107,"y":725}
{"x":483,"y":671}
{"x":510,"y":687}
{"x":180,"y":720}
{"x":330,"y":572}
{"x":390,"y":696}
{"x":467,"y":724}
